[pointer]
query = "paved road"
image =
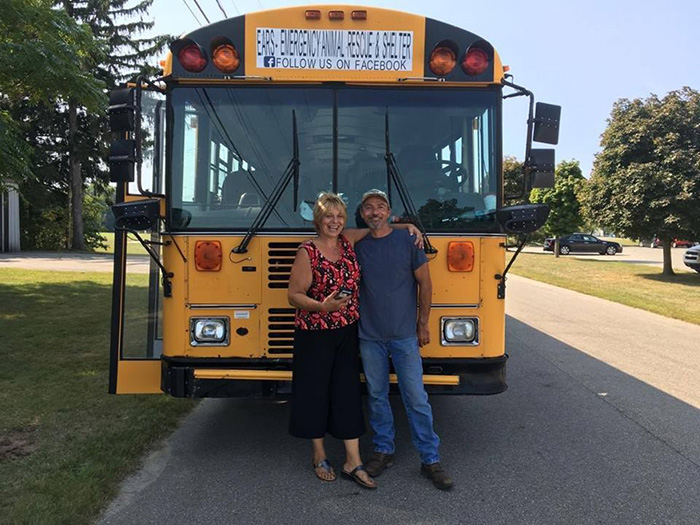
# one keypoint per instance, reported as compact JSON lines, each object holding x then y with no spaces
{"x":71,"y":262}
{"x":599,"y":425}
{"x":630,"y":254}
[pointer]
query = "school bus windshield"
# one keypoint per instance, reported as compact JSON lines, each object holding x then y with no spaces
{"x":230,"y":146}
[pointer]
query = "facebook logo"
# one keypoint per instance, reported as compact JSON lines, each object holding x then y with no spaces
{"x":269,"y":61}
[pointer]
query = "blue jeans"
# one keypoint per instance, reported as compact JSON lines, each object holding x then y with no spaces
{"x":405,"y":355}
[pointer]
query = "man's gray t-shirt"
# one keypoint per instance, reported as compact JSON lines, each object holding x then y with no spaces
{"x":388,"y":288}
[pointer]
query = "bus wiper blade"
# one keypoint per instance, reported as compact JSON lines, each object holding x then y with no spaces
{"x":393,"y":174}
{"x":290,"y":172}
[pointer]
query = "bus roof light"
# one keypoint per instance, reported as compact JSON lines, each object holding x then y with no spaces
{"x":336,"y":15}
{"x":312,"y":14}
{"x":359,"y":15}
{"x":225,"y":58}
{"x":443,"y":59}
{"x":460,"y":256}
{"x":476,"y":61}
{"x":192,"y":58}
{"x":207,"y":256}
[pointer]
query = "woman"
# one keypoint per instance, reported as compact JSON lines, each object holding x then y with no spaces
{"x":326,"y":394}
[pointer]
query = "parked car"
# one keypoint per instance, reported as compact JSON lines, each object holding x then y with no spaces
{"x":675,"y":243}
{"x":692,"y":258}
{"x":584,"y":243}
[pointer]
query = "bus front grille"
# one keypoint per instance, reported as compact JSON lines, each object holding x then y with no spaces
{"x":280,"y":257}
{"x":280,"y":330}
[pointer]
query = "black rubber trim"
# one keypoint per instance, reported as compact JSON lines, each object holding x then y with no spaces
{"x":477,"y":377}
{"x":117,"y":299}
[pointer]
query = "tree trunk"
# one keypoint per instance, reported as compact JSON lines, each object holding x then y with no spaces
{"x":668,"y":263}
{"x":76,"y":180}
{"x":556,"y":247}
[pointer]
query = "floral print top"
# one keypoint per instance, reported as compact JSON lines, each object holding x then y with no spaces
{"x":329,"y":277}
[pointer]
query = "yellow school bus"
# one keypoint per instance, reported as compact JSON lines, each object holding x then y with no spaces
{"x":257,"y":115}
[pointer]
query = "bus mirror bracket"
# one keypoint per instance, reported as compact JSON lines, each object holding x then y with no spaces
{"x":143,"y":215}
{"x":542,"y":126}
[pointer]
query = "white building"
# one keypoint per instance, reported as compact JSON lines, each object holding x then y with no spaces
{"x":9,"y":218}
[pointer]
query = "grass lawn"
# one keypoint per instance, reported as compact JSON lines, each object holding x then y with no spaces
{"x":631,"y":284}
{"x":65,"y":444}
{"x":133,"y":246}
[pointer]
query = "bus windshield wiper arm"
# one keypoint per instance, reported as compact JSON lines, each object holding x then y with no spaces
{"x":290,"y":172}
{"x":393,"y":174}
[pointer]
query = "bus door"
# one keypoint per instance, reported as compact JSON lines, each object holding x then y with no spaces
{"x":136,"y":326}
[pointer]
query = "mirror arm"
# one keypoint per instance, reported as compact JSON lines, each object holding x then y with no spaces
{"x":521,"y":91}
{"x":167,"y":285}
{"x":501,"y":294}
{"x":140,"y":81}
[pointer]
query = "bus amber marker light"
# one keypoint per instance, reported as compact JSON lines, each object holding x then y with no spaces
{"x":442,"y":61}
{"x":312,"y":14}
{"x":225,"y":58}
{"x":475,"y":61}
{"x":192,"y":58}
{"x":207,"y":256}
{"x":460,"y":256}
{"x":336,"y":15}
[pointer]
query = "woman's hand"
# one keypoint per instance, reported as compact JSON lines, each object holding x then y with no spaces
{"x":412,"y":230}
{"x":331,"y":304}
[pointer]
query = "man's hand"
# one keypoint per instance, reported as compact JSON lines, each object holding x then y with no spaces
{"x":423,"y":334}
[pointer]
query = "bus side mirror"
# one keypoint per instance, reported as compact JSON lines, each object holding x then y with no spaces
{"x":123,"y":115}
{"x":122,"y":110}
{"x":136,"y":215}
{"x":122,"y":160}
{"x":546,"y":123}
{"x":523,"y":219}
{"x":541,"y":164}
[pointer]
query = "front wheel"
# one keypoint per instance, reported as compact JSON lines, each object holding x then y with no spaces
{"x":611,"y":250}
{"x":564,"y":250}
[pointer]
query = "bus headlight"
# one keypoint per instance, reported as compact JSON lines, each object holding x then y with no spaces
{"x":209,"y":331}
{"x":459,"y":331}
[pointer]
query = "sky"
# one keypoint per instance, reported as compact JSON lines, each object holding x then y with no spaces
{"x":581,"y":55}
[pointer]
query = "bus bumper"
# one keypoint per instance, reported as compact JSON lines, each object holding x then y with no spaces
{"x":270,"y":378}
{"x":476,"y":376}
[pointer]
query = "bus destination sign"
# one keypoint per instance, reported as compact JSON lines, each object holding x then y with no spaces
{"x":334,"y":49}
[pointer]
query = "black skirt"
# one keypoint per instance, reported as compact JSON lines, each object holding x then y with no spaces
{"x":326,"y":392}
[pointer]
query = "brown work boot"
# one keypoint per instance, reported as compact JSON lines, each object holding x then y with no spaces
{"x":435,"y":473}
{"x":378,"y":462}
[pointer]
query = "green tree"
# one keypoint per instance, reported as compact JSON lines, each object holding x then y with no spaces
{"x":565,"y":214}
{"x":646,"y":179}
{"x":114,"y":24}
{"x":70,"y":138}
{"x":43,"y":53}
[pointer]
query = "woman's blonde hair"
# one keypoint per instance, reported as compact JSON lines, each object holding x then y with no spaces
{"x":325,"y":202}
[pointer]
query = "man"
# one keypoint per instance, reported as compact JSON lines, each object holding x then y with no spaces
{"x":392,"y":267}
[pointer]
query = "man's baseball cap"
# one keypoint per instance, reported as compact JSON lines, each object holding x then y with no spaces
{"x":375,"y":193}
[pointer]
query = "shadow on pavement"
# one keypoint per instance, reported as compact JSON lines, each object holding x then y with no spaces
{"x":573,"y":440}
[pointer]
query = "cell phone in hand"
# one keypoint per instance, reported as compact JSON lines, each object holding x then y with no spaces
{"x":343,"y":293}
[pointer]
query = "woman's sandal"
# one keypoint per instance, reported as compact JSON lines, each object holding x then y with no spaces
{"x":325,"y":465}
{"x":357,"y":479}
